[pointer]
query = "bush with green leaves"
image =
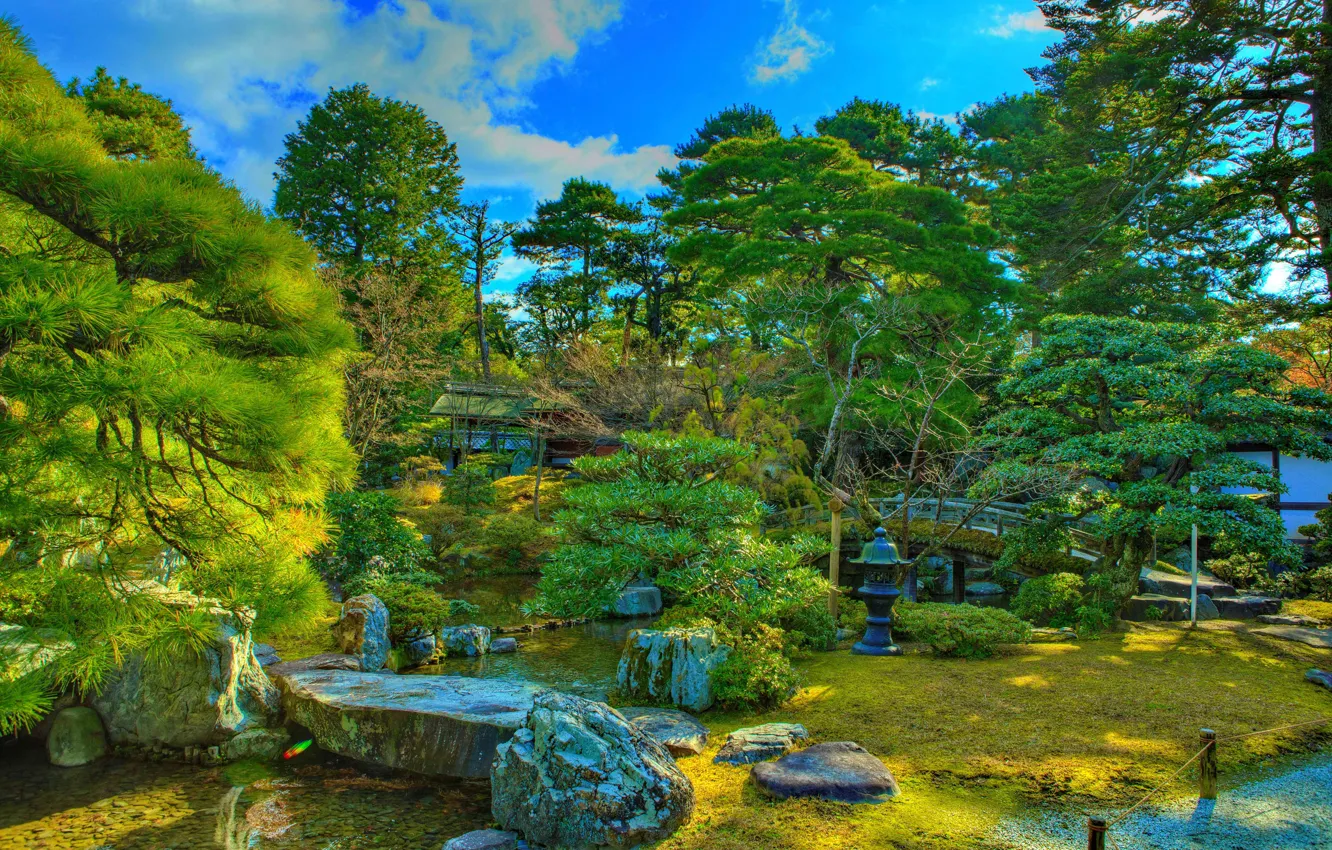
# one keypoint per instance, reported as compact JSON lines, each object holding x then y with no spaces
{"x":960,"y":631}
{"x":1242,"y":570}
{"x":1051,"y":600}
{"x":415,"y":610}
{"x":371,"y":543}
{"x":469,"y":486}
{"x":757,"y":675}
{"x":662,"y":509}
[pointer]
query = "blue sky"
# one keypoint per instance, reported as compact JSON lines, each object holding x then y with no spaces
{"x":536,"y":91}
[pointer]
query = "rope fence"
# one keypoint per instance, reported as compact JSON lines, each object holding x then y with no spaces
{"x":1098,"y":829}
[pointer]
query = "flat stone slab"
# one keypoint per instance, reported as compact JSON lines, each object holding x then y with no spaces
{"x":1321,"y":638}
{"x":1247,"y":607}
{"x":484,"y":839}
{"x":841,"y":770}
{"x":1319,"y":677}
{"x":760,"y":743}
{"x":1168,"y":584}
{"x":677,"y":730}
{"x":1172,"y":608}
{"x":435,"y":725}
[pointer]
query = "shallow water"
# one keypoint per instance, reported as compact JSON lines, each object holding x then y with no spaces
{"x":314,"y":803}
{"x":581,"y":660}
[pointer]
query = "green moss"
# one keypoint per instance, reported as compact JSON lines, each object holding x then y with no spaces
{"x":1088,"y":726}
{"x":302,"y":640}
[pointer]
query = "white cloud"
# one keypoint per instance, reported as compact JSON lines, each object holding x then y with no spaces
{"x":928,"y":83}
{"x":245,"y":72}
{"x":790,"y":51}
{"x":1007,"y":26}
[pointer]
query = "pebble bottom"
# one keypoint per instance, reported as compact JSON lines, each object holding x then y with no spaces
{"x":1292,"y":811}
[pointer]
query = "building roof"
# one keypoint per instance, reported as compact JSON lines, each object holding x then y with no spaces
{"x":489,"y":403}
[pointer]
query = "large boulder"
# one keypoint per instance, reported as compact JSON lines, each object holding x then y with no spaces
{"x":438,"y":725}
{"x":759,"y":743}
{"x":193,"y":699}
{"x":471,"y":641}
{"x":258,"y":744}
{"x":579,"y":775}
{"x":639,"y":598}
{"x":841,"y":770}
{"x":362,"y":631}
{"x":76,"y":737}
{"x":671,"y":666}
{"x":680,"y":732}
{"x":419,"y":650}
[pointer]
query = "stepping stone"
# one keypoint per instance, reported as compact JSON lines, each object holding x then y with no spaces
{"x":322,"y":661}
{"x":484,"y":839}
{"x":1289,"y":620}
{"x":760,"y":743}
{"x":1320,"y":638}
{"x":677,"y":730}
{"x":985,"y":588}
{"x":499,"y":646}
{"x":842,"y":770}
{"x":1319,"y":677}
{"x":1042,"y":635}
{"x":1167,"y":584}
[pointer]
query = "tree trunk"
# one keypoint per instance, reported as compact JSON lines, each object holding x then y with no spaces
{"x":1125,"y":556}
{"x":538,"y":455}
{"x":1320,"y":187}
{"x":481,"y":343}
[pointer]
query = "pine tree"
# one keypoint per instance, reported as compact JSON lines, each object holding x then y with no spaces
{"x":169,"y":378}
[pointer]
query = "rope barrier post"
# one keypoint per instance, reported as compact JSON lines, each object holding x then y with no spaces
{"x":1096,"y":830}
{"x":1207,"y":767}
{"x":835,"y":508}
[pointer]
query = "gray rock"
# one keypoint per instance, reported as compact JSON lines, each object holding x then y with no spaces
{"x":1321,"y":638}
{"x":484,"y":839}
{"x":1319,"y":677}
{"x":419,"y":651}
{"x":322,"y":661}
{"x":266,"y":655}
{"x":1169,"y":584}
{"x":257,"y":744}
{"x":1172,"y":608}
{"x":760,"y":743}
{"x":672,"y":665}
{"x":845,"y":634}
{"x":500,"y":646}
{"x":471,"y":641}
{"x":1044,"y":635}
{"x":362,"y":631}
{"x":977,"y":574}
{"x":680,"y":732}
{"x":579,"y":775}
{"x":985,"y":588}
{"x":1246,"y":607}
{"x":439,"y":725}
{"x":638,"y":602}
{"x":76,"y":737}
{"x":840,"y":770}
{"x":1289,"y":620}
{"x":200,"y":699}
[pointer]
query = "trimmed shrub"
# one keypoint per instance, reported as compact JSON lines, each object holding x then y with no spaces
{"x":469,"y":486}
{"x":757,"y":675}
{"x":1051,"y":600}
{"x":960,"y":631}
{"x":415,"y":610}
{"x":811,"y":627}
{"x":514,"y":538}
{"x":371,"y":542}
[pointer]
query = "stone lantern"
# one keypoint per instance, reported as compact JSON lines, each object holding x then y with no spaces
{"x":881,"y":561}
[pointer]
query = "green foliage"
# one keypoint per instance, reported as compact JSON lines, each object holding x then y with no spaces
{"x":1242,"y":570}
{"x":415,"y":610}
{"x":368,"y":180}
{"x":469,"y":486}
{"x":132,"y":123}
{"x":170,"y":374}
{"x":661,"y":509}
{"x":810,"y":627}
{"x":1151,"y":409}
{"x":514,"y":538}
{"x":1050,"y":600}
{"x":371,"y":542}
{"x":757,"y":675}
{"x":851,"y":614}
{"x":1096,"y":614}
{"x":960,"y":631}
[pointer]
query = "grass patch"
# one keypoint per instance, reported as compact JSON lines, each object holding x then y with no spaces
{"x":302,"y":640}
{"x":1308,"y":608}
{"x":513,"y":494}
{"x":1089,"y":726}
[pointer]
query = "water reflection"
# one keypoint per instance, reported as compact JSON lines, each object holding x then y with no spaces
{"x":321,"y":803}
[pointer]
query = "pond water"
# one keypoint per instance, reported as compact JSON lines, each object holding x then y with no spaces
{"x":315,"y":802}
{"x":581,"y":659}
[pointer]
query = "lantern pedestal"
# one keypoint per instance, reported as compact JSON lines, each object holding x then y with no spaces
{"x":878,"y":639}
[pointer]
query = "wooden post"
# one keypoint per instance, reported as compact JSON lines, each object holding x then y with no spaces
{"x":1207,"y":766}
{"x":835,"y":507}
{"x":998,"y":526}
{"x":1096,"y":834}
{"x":959,"y":581}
